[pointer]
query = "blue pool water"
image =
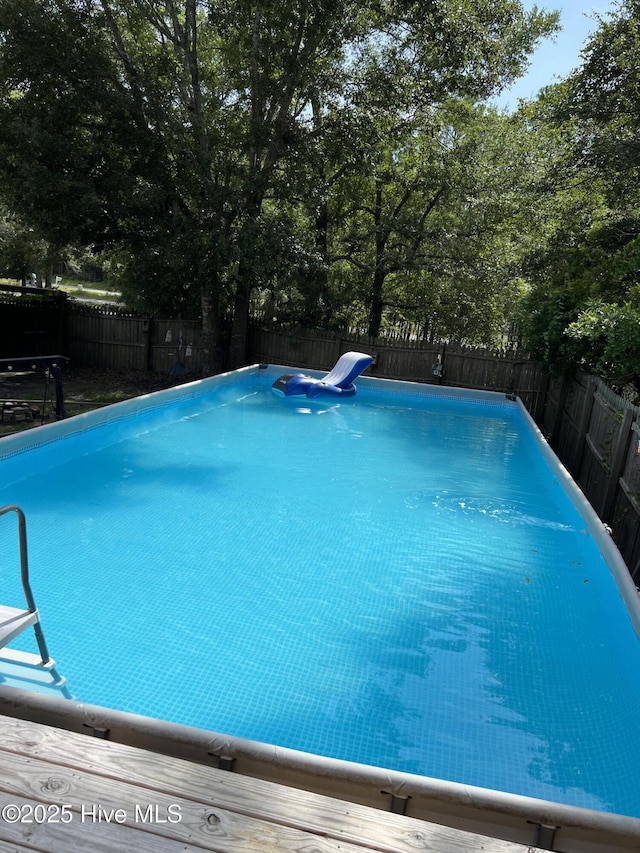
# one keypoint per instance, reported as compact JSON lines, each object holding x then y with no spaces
{"x":399,"y":581}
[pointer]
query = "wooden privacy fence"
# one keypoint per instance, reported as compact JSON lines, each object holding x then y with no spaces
{"x":596,"y":434}
{"x":32,"y":322}
{"x":105,"y":338}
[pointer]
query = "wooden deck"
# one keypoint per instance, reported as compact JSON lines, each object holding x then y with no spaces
{"x":62,"y":792}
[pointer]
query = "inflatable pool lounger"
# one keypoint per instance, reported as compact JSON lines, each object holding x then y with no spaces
{"x":337,"y":383}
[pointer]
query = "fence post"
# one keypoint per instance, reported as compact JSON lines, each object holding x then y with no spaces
{"x":559,"y":413}
{"x":617,"y":461}
{"x":146,"y":344}
{"x":583,"y":425}
{"x":539,"y":403}
{"x":61,"y":332}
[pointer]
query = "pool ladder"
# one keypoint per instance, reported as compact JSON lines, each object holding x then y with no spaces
{"x":13,"y":620}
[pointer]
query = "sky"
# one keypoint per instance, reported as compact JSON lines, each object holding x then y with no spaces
{"x":556,"y":58}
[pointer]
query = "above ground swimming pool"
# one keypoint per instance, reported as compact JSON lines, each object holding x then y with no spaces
{"x":401,"y":580}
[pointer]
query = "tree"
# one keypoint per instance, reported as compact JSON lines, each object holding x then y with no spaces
{"x":163,"y":128}
{"x":603,"y":96}
{"x":430,"y":233}
{"x":23,"y":253}
{"x":584,"y":302}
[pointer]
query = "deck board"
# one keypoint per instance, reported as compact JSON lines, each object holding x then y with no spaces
{"x":217,"y":810}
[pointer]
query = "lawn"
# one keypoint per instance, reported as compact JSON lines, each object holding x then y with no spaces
{"x":79,"y":289}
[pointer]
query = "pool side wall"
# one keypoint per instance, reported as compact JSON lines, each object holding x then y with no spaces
{"x":626,"y":587}
{"x":116,"y":411}
{"x":494,"y":813}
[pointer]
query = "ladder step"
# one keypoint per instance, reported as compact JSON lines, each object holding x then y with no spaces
{"x":14,"y":621}
{"x":26,"y":659}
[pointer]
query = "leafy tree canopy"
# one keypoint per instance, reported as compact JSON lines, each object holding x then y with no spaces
{"x":164,"y":129}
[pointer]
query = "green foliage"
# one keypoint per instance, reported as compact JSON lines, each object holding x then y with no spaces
{"x":69,"y":138}
{"x":597,"y":266}
{"x":432,"y":229}
{"x":603,"y":96}
{"x":585,"y":268}
{"x":22,"y":251}
{"x":606,"y":337}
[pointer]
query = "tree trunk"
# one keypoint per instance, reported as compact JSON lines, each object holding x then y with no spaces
{"x":211,"y":332}
{"x":377,"y":302}
{"x":316,"y":280}
{"x":379,"y":273}
{"x":322,"y":244}
{"x":240,"y":328}
{"x":317,"y":296}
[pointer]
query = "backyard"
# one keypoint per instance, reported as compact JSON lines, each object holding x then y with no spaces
{"x":83,"y":389}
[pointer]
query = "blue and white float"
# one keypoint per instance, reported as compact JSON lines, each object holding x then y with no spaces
{"x":337,"y":383}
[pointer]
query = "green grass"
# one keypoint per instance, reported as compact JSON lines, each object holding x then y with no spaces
{"x":88,"y":290}
{"x":79,"y":288}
